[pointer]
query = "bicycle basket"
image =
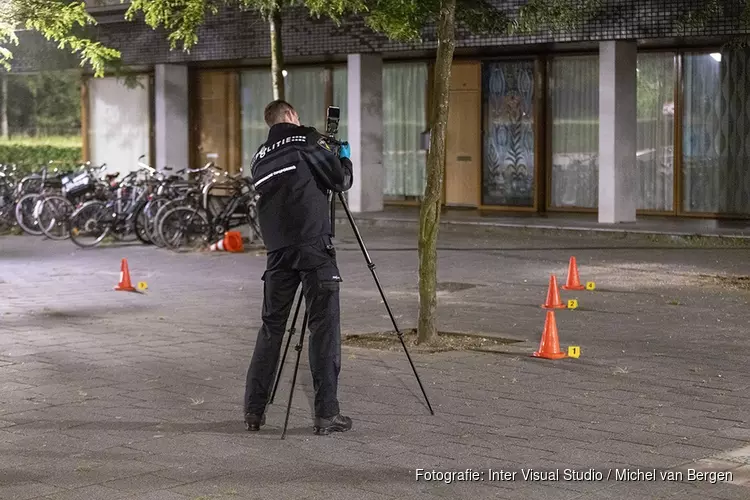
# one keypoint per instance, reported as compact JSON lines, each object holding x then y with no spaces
{"x":78,"y":185}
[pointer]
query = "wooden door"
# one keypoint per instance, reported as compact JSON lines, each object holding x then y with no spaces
{"x":216,"y":120}
{"x":463,"y":148}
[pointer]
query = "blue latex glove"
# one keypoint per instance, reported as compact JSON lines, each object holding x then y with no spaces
{"x":344,"y":150}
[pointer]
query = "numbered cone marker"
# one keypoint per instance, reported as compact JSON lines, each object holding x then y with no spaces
{"x":572,"y":304}
{"x":590,"y":285}
{"x":574,"y":351}
{"x":142,"y":285}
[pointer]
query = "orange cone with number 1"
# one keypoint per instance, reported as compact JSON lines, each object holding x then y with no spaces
{"x":125,"y":285}
{"x":549,"y":347}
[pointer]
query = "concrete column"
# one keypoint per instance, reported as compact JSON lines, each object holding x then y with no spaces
{"x":618,"y":172}
{"x":171,"y":116}
{"x":365,"y":131}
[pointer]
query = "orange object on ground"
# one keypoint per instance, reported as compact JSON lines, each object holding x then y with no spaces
{"x":125,"y":285}
{"x":218,"y":246}
{"x":553,"y":295}
{"x":549,"y":347}
{"x":574,"y":282}
{"x":233,"y":241}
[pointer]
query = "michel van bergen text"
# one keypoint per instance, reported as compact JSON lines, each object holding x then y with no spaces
{"x":553,"y":475}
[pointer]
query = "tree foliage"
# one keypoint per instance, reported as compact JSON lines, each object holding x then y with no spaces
{"x":61,"y":21}
{"x":712,"y":10}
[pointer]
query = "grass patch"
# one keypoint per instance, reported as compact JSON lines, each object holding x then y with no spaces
{"x":59,"y":141}
{"x":446,"y":341}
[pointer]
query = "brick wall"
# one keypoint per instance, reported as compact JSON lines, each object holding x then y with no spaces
{"x":233,"y":35}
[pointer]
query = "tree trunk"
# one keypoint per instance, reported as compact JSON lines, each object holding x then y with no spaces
{"x":277,"y":55}
{"x":429,"y":216}
{"x":3,"y":106}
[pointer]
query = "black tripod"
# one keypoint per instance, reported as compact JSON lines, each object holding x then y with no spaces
{"x":298,"y":347}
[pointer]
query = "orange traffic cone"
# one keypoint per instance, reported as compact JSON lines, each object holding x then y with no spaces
{"x":549,"y":347}
{"x":218,"y":246}
{"x":553,"y":295}
{"x":125,"y":285}
{"x":574,"y":282}
{"x":233,"y":241}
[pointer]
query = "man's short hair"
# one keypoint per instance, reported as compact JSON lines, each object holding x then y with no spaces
{"x":276,"y":112}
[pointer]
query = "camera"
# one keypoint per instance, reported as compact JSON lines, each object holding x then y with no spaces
{"x":333,"y":115}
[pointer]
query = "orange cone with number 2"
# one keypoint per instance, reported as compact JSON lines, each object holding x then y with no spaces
{"x":553,"y":295}
{"x":549,"y":347}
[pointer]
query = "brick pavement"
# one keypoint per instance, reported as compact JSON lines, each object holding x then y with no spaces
{"x":112,"y":395}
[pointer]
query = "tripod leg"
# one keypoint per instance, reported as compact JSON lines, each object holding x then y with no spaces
{"x":371,"y":266}
{"x":297,"y":348}
{"x":286,"y":349}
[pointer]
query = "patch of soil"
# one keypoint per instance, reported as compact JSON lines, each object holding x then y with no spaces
{"x":452,"y":287}
{"x":446,"y":341}
{"x":733,"y":282}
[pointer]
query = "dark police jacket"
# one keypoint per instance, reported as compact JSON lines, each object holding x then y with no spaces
{"x":293,"y":172}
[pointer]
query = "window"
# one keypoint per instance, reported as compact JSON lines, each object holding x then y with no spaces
{"x":574,"y":110}
{"x":119,"y":123}
{"x":305,"y":90}
{"x":716,"y":133}
{"x":404,"y":120}
{"x":655,"y":141}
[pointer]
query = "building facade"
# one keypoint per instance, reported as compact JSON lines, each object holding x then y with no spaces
{"x":628,"y":115}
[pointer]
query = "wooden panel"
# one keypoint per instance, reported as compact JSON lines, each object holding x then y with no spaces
{"x":466,"y":76}
{"x":463,"y":150}
{"x":211,"y":127}
{"x":234,"y":126}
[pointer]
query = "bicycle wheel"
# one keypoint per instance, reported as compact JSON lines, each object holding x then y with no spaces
{"x":162,"y":210}
{"x":54,"y":216}
{"x":25,"y":214}
{"x":140,"y":225}
{"x":90,"y":224}
{"x":185,"y":227}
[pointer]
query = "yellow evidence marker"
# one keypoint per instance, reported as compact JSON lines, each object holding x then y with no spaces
{"x":572,"y":304}
{"x":590,"y":285}
{"x":574,"y":351}
{"x":142,"y":285}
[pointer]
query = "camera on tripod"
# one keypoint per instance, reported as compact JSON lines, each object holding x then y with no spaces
{"x":333,"y":115}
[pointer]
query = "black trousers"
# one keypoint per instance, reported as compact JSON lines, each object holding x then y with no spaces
{"x":313,"y":265}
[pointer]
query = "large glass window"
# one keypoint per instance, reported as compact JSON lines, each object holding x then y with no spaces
{"x":508,"y":171}
{"x":305,"y":90}
{"x":404,"y":100}
{"x":716,"y":133}
{"x":340,"y":96}
{"x":655,"y":143}
{"x":574,"y":106}
{"x":256,"y":92}
{"x":119,"y":123}
{"x":574,"y":110}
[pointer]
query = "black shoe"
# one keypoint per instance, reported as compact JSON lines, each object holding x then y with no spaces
{"x":338,"y":423}
{"x":253,"y":422}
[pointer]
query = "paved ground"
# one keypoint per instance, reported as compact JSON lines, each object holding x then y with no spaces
{"x":108,"y":395}
{"x":739,"y":228}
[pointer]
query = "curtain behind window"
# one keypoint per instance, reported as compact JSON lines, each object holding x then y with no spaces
{"x":404,"y":100}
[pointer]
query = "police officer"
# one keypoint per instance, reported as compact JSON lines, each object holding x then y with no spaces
{"x":293,"y":173}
